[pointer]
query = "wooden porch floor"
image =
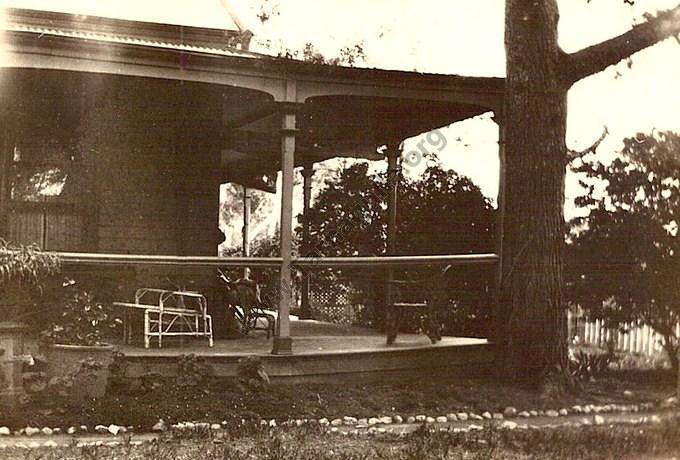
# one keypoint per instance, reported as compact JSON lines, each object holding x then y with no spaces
{"x":325,"y":353}
{"x":309,"y":337}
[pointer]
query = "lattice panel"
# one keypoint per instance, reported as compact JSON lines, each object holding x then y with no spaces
{"x":333,"y":305}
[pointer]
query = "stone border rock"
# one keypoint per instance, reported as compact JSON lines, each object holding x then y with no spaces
{"x":93,"y":439}
{"x":378,"y":424}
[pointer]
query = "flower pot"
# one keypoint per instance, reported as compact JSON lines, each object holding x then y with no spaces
{"x":86,"y":368}
{"x":11,"y":351}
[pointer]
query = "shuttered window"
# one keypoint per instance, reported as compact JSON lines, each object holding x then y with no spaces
{"x":46,"y":195}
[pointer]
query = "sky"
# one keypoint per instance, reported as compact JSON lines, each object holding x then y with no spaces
{"x":455,"y":37}
{"x":466,"y":37}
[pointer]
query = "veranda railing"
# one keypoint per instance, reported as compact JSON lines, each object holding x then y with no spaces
{"x":302,"y":262}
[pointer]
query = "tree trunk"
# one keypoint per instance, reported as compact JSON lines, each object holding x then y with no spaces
{"x":533,"y":317}
{"x":672,"y":351}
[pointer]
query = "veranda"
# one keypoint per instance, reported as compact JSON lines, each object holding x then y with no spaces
{"x":145,"y":121}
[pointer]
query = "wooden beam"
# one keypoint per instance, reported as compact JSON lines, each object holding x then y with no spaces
{"x":258,"y":113}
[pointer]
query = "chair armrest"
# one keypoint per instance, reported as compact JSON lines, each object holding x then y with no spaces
{"x":139,"y":306}
{"x":410,"y":304}
{"x":408,"y":282}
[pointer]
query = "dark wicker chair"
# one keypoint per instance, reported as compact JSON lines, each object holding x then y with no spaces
{"x":243,"y":299}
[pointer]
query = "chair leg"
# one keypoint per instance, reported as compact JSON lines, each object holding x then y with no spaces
{"x":210,"y":331}
{"x":160,"y":330}
{"x":247,"y":320}
{"x":271,"y":322}
{"x":147,"y":329}
{"x":391,"y":325}
{"x":434,"y":330}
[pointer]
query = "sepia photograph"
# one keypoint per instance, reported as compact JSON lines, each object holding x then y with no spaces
{"x":339,"y":229}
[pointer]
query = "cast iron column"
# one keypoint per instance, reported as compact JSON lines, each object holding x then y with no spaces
{"x":6,"y":152}
{"x":392,"y":186}
{"x":283,"y":343}
{"x":392,"y":153}
{"x":307,"y":173}
{"x":247,"y":198}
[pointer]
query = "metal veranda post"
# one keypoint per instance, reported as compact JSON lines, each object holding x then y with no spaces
{"x":392,"y":153}
{"x":283,"y":343}
{"x":247,"y":199}
{"x":307,"y":174}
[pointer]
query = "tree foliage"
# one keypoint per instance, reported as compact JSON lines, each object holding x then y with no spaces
{"x":624,"y":263}
{"x":231,"y":216}
{"x":439,"y":212}
{"x":348,"y":55}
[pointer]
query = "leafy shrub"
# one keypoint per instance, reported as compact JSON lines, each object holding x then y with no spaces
{"x":193,"y":371}
{"x":251,"y":373}
{"x":641,"y":361}
{"x":25,"y":265}
{"x":82,"y":321}
{"x":585,"y":364}
{"x":23,"y":271}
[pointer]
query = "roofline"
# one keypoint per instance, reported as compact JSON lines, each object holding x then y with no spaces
{"x":209,"y":39}
{"x":70,"y":48}
{"x":176,"y":34}
{"x":162,"y":58}
{"x":294,"y":66}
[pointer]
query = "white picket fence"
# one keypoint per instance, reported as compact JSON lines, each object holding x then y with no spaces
{"x":639,"y":338}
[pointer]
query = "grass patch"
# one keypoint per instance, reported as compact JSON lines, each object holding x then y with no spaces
{"x":613,"y":442}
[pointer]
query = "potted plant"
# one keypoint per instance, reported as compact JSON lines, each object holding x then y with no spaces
{"x":76,"y":350}
{"x":23,"y":268}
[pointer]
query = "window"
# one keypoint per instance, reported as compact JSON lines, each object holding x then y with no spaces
{"x":46,"y":190}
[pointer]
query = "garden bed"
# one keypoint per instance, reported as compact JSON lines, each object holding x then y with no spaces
{"x":199,"y":398}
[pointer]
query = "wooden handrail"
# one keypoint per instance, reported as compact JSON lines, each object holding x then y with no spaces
{"x":81,"y":258}
{"x":396,"y":261}
{"x":78,"y":258}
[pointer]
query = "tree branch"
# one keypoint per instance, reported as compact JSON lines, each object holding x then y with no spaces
{"x":574,"y":154}
{"x":598,"y":57}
